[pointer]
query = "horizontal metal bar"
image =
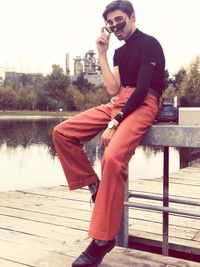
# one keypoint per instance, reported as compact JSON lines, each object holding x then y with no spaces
{"x":159,"y":198}
{"x":165,"y":209}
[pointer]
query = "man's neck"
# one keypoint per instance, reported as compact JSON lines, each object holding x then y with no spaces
{"x":133,"y":30}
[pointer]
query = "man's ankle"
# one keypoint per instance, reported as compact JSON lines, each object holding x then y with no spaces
{"x":94,"y":187}
{"x":100,"y":242}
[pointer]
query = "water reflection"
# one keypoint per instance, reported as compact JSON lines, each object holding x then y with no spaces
{"x":26,"y":133}
{"x":28,"y":158}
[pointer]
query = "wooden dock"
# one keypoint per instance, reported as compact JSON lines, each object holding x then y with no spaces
{"x":48,"y":226}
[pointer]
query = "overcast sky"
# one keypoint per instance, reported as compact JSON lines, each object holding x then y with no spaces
{"x":37,"y":33}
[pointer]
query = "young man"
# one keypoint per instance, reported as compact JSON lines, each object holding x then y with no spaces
{"x":136,"y":84}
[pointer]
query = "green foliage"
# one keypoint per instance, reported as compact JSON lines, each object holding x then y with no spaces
{"x":55,"y":88}
{"x":185,"y":83}
{"x":7,"y":98}
{"x":74,"y":98}
{"x":192,"y":91}
{"x":96,"y":97}
{"x":179,"y":78}
{"x":170,"y":92}
{"x":82,"y":84}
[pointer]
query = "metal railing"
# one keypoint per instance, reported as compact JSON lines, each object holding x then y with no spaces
{"x":150,"y":139}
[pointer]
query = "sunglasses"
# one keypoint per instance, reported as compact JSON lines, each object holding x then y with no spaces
{"x":118,"y":27}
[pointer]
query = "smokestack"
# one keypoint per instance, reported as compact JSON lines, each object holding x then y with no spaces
{"x":67,"y":69}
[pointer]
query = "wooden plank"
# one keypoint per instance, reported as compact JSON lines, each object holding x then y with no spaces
{"x":156,"y":228}
{"x":27,"y":200}
{"x":131,"y":257}
{"x":148,"y":186}
{"x":66,"y":212}
{"x":32,"y":256}
{"x":152,"y":239}
{"x":137,"y":224}
{"x":53,"y":223}
{"x":43,"y":218}
{"x":197,"y":237}
{"x":29,"y":256}
{"x":42,"y":229}
{"x":174,"y":220}
{"x":60,"y":192}
{"x":45,"y":243}
{"x":8,"y":263}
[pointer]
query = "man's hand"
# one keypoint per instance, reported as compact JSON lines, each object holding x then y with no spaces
{"x":102,"y":42}
{"x":108,"y":134}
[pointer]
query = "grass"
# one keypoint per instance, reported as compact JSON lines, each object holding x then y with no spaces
{"x":37,"y":113}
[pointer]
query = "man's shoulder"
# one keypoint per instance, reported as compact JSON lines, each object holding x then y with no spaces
{"x":148,"y":39}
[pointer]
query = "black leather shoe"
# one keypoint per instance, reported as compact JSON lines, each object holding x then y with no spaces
{"x":93,"y":254}
{"x":93,"y":197}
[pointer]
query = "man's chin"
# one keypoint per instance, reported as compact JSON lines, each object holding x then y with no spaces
{"x":119,"y":36}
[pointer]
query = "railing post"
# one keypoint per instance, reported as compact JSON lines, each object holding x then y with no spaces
{"x":122,"y":237}
{"x":165,"y":243}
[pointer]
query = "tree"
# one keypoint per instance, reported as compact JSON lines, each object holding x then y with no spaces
{"x":7,"y":98}
{"x":192,"y":91}
{"x":82,"y":84}
{"x":167,"y":78}
{"x":179,"y":77}
{"x":78,"y":99}
{"x":170,"y":92}
{"x":32,"y":96}
{"x":55,"y":87}
{"x":72,"y":91}
{"x":21,"y":98}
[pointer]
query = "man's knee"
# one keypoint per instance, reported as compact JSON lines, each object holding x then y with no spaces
{"x":110,"y":157}
{"x":57,"y":131}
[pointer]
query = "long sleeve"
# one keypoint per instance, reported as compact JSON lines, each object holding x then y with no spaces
{"x":143,"y":84}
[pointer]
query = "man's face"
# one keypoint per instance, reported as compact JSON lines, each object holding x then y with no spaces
{"x":120,"y":24}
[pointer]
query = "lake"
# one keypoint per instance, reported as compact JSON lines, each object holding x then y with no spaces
{"x":28,"y":158}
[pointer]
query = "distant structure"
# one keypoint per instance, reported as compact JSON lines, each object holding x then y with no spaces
{"x":17,"y":80}
{"x":67,"y":68}
{"x":88,"y":65}
{"x":78,"y":66}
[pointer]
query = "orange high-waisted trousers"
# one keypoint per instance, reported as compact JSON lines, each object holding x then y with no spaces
{"x":67,"y":137}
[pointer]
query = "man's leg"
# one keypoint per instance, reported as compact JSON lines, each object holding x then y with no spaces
{"x":67,"y":138}
{"x":108,"y":207}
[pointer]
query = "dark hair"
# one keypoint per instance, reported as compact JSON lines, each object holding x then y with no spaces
{"x":123,"y":5}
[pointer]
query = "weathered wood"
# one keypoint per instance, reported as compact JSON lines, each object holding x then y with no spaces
{"x":48,"y":226}
{"x":137,"y":258}
{"x":8,"y":263}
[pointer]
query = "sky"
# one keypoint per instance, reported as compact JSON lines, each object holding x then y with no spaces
{"x":38,"y":33}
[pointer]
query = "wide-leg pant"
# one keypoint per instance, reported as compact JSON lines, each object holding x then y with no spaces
{"x":67,"y":137}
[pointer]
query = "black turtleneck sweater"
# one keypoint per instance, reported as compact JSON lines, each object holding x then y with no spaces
{"x":141,"y":64}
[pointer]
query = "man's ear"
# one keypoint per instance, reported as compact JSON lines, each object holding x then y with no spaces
{"x":133,"y":17}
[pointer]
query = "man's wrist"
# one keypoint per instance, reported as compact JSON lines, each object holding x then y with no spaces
{"x":113,"y":124}
{"x":119,"y":117}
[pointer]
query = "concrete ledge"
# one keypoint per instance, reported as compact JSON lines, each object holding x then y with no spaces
{"x":172,"y":135}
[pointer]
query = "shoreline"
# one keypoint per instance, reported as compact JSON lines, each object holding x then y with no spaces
{"x":27,"y":114}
